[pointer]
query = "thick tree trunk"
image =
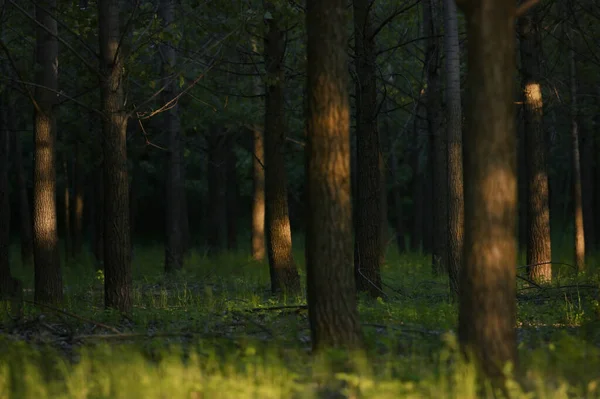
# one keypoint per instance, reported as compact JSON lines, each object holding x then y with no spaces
{"x":117,"y":247}
{"x":576,"y":185}
{"x":438,"y":139}
{"x":456,"y":205}
{"x":284,"y":275}
{"x":367,"y":244}
{"x":332,"y":306}
{"x":487,"y":312}
{"x":538,"y":212}
{"x":48,"y":278}
{"x":174,"y":247}
{"x":24,"y":210}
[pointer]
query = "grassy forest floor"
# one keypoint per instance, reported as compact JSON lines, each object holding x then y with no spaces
{"x":214,"y":331}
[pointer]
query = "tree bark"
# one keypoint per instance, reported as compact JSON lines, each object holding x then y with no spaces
{"x":98,"y":198}
{"x":576,"y":184}
{"x":48,"y":284}
{"x":588,"y":148}
{"x":438,"y":139}
{"x":456,"y":204}
{"x":117,"y":247}
{"x":417,"y":239}
{"x":487,"y":311}
{"x":24,"y":210}
{"x":232,"y":197}
{"x":368,"y":233}
{"x":538,"y":212}
{"x":332,"y":306}
{"x":67,"y":208}
{"x":174,"y":247}
{"x":258,"y":195}
{"x":284,"y":275}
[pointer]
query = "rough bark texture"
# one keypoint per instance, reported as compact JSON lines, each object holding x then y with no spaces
{"x":367,"y":244}
{"x":456,"y":204}
{"x":332,"y":306}
{"x":487,"y":312}
{"x":48,"y":279}
{"x":24,"y":210}
{"x":538,"y":212}
{"x":576,"y":184}
{"x":117,"y":247}
{"x":258,"y":196}
{"x":174,"y":247}
{"x":437,"y":136}
{"x":284,"y":275}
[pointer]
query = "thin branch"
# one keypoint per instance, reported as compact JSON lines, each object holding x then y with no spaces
{"x":391,"y":17}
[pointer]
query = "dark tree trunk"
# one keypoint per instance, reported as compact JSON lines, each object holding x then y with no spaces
{"x":175,"y":184}
{"x":439,"y":145}
{"x":521,"y":183}
{"x":232,"y":198}
{"x":97,"y":191}
{"x":418,"y":186}
{"x":284,"y":275}
{"x":332,"y":306}
{"x":117,"y":247}
{"x":48,"y":278}
{"x":67,"y":208}
{"x":24,"y":210}
{"x":367,"y":244}
{"x":487,"y":312}
{"x":78,"y":198}
{"x":456,"y":204}
{"x":587,"y":187}
{"x":538,"y":212}
{"x":217,"y":190}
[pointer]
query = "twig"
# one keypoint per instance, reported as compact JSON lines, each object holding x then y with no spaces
{"x":110,"y":328}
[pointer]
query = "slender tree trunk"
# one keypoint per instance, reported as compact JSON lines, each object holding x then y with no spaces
{"x":487,"y":312}
{"x":439,"y":145}
{"x":417,"y":239}
{"x":67,"y":208}
{"x":258,"y":196}
{"x":587,"y":187}
{"x":577,"y":198}
{"x":522,"y":183}
{"x":367,"y":244}
{"x":175,"y":184}
{"x":538,"y":212}
{"x":5,"y":273}
{"x":232,"y":198}
{"x":332,"y":306}
{"x":284,"y":275}
{"x":48,"y":278}
{"x":24,"y":210}
{"x":78,"y":199}
{"x":97,"y":191}
{"x":117,"y":247}
{"x":456,"y":205}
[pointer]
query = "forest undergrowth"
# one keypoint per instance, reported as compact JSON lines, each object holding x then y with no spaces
{"x":215,"y":331}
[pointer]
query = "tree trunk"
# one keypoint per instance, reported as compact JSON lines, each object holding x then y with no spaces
{"x":332,"y":306}
{"x":117,"y":247}
{"x":456,"y":205}
{"x":24,"y":210}
{"x":487,"y":312}
{"x":258,"y":196}
{"x":172,"y":126}
{"x":232,"y":197}
{"x":521,"y":183}
{"x":217,"y":190}
{"x":78,"y":199}
{"x":98,"y":199}
{"x":587,"y":187}
{"x":538,"y":213}
{"x":67,"y":208}
{"x":367,"y":244}
{"x":439,"y":145}
{"x":577,"y":198}
{"x":48,"y":278}
{"x":5,"y":274}
{"x":417,"y":239}
{"x":284,"y":275}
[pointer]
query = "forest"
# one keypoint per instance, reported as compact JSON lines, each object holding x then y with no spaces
{"x":299,"y":199}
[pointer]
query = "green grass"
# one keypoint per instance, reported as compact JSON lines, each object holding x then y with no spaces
{"x":214,"y":331}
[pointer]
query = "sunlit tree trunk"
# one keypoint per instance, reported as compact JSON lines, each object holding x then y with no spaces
{"x":48,"y":284}
{"x":438,"y":139}
{"x":332,"y":306}
{"x":117,"y":247}
{"x":576,"y":184}
{"x":487,"y":312}
{"x":538,"y":212}
{"x":258,"y":195}
{"x":456,"y":205}
{"x":284,"y":275}
{"x":368,"y":233}
{"x":175,"y":184}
